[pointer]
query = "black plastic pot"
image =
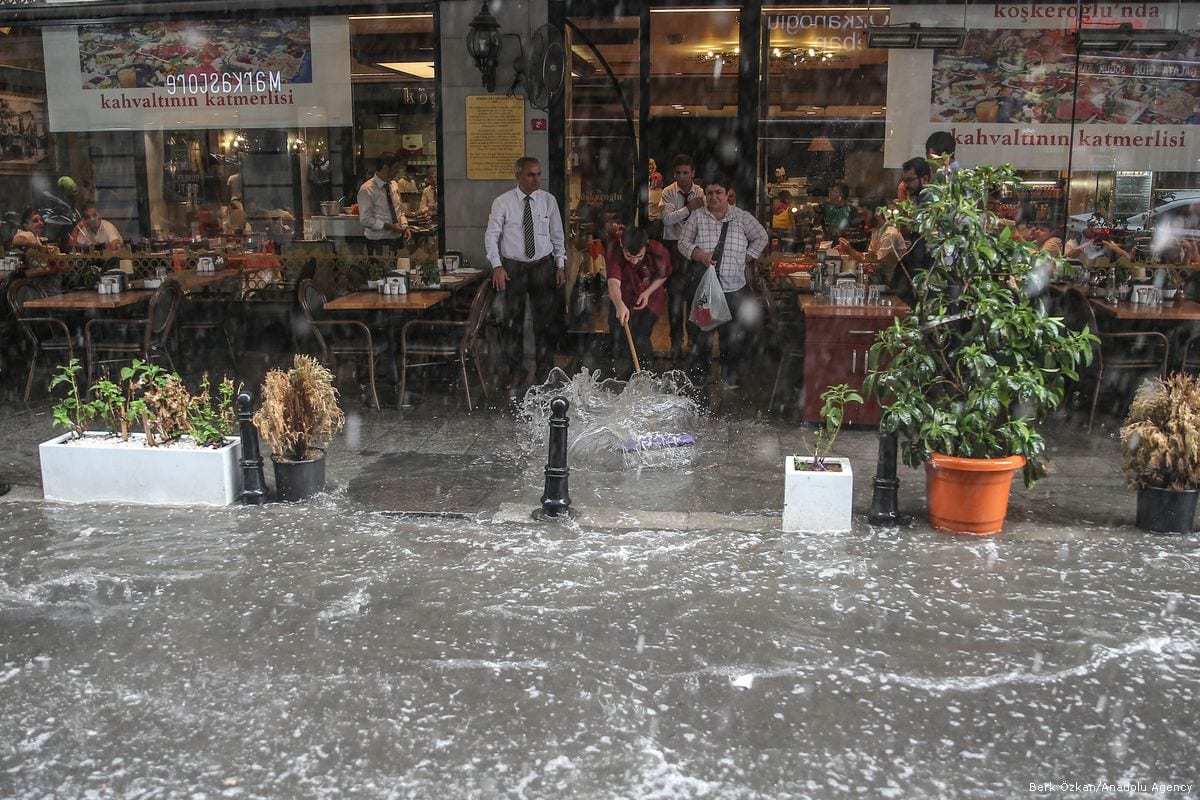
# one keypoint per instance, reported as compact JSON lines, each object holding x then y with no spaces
{"x":1166,"y":510}
{"x":299,"y":480}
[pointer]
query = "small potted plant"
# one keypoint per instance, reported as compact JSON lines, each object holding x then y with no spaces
{"x":1160,"y":445}
{"x":183,"y":453}
{"x":298,"y":417}
{"x":431,"y":275}
{"x":818,"y":490}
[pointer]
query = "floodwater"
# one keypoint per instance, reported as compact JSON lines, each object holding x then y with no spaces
{"x":319,"y":651}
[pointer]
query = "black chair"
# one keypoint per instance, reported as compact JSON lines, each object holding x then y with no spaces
{"x":206,"y":314}
{"x":118,"y":340}
{"x":427,"y":342}
{"x":1142,"y":351}
{"x":45,"y":334}
{"x":340,"y":338}
{"x":784,"y":330}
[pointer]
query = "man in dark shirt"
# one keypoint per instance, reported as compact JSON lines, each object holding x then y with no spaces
{"x":637,"y":269}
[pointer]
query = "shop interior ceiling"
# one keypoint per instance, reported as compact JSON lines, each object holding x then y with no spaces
{"x":693,"y":68}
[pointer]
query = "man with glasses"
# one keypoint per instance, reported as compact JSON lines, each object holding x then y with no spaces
{"x":914,"y":177}
{"x":637,"y":269}
{"x":527,"y":251}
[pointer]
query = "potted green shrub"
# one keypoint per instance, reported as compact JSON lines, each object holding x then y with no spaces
{"x":1160,"y":445}
{"x":143,"y":438}
{"x":966,"y":375}
{"x":298,"y":416}
{"x":818,"y":489}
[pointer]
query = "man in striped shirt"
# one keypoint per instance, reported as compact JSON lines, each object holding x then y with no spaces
{"x":744,"y":242}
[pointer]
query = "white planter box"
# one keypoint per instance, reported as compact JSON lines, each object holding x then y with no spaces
{"x":817,"y":501}
{"x":122,"y":472}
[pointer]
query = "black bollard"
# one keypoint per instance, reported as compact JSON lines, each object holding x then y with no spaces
{"x":884,"y":501}
{"x":254,"y":485}
{"x":556,"y":499}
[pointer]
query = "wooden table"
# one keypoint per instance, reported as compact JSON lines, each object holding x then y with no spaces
{"x":191,"y":280}
{"x":416,"y":300}
{"x":90,"y":300}
{"x":1168,"y":311}
{"x":837,"y":341}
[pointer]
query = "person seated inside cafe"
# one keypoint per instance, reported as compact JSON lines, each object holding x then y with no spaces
{"x":32,"y":228}
{"x":783,"y":220}
{"x":1041,"y":234}
{"x":94,"y":231}
{"x":885,"y":245}
{"x":637,"y":268}
{"x":1089,"y":247}
{"x":839,"y":213}
{"x":236,"y":220}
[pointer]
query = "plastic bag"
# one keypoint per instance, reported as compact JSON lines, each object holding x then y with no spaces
{"x":709,"y":309}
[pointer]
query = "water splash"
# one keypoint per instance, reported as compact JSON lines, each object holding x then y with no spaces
{"x":616,"y":425}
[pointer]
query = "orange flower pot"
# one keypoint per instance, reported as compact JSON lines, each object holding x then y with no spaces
{"x":969,"y":495}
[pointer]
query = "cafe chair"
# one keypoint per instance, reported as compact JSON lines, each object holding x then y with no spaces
{"x":1140,"y":351}
{"x":340,"y":338}
{"x":784,"y":330}
{"x":429,"y":342}
{"x":207,"y":314}
{"x":45,"y":334}
{"x":1191,"y":355}
{"x":110,"y":341}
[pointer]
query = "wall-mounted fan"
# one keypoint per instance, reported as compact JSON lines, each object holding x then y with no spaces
{"x":545,"y":67}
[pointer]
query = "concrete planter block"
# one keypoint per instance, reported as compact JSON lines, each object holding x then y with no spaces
{"x":817,"y":502}
{"x":122,"y":472}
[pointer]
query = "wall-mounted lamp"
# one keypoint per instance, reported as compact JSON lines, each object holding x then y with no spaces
{"x":483,"y":43}
{"x":1123,"y":38}
{"x":914,"y":37}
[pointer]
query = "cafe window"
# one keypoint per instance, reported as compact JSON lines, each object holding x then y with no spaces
{"x":198,"y":129}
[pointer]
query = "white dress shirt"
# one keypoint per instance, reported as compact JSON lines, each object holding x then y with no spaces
{"x":374,"y":212}
{"x":107,"y":235}
{"x":505,"y":235}
{"x":675,"y":211}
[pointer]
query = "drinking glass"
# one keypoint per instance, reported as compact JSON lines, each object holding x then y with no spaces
{"x":874,"y":294}
{"x":859,"y":292}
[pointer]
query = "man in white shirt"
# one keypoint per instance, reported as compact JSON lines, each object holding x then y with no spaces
{"x":92,"y":231}
{"x":379,"y":208}
{"x":679,"y":200}
{"x":428,"y":203}
{"x":527,"y":251}
{"x":745,"y":239}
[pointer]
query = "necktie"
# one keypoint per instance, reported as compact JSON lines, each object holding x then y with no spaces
{"x":527,"y":223}
{"x":387,"y":189}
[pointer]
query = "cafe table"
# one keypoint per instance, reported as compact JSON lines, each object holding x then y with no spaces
{"x":415,"y":301}
{"x":194,"y":280}
{"x":837,"y":342}
{"x":90,"y":300}
{"x":1167,"y":311}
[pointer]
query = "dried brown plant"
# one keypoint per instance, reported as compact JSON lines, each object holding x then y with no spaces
{"x":299,"y":409}
{"x":167,"y":406}
{"x":1160,"y":440}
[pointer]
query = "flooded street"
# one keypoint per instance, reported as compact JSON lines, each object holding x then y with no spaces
{"x":320,"y":651}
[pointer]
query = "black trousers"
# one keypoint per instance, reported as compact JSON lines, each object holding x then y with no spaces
{"x":681,"y":288}
{"x":535,"y":280}
{"x":641,"y":326}
{"x":733,"y":338}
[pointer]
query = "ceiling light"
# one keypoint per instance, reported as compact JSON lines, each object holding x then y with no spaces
{"x":417,"y":69}
{"x":913,"y":36}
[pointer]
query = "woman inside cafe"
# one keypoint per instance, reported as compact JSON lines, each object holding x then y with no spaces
{"x":32,"y":228}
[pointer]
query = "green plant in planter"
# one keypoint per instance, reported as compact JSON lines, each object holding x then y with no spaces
{"x":148,"y":395}
{"x":430,"y":274}
{"x":1160,"y":440}
{"x":977,"y":361}
{"x":833,"y":413}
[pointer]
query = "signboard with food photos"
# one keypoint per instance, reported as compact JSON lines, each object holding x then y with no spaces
{"x":1013,"y":94}
{"x":281,"y":72}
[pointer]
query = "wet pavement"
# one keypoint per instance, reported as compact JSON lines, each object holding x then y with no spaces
{"x":412,"y":634}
